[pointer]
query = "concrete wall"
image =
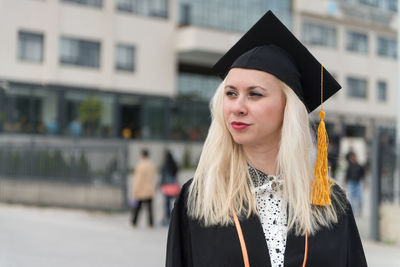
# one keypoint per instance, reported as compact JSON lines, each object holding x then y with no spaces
{"x":61,"y":194}
{"x":389,"y":223}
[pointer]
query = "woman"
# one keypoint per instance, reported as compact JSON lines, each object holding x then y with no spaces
{"x":144,"y":187}
{"x":169,"y":171}
{"x":256,"y":198}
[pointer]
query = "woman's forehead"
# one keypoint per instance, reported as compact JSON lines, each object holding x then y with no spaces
{"x":239,"y":77}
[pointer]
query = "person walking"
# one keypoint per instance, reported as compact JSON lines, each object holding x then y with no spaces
{"x":354,"y":177}
{"x":169,"y":184}
{"x":144,"y":187}
{"x":259,"y":197}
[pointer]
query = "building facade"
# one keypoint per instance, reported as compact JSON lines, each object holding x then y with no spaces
{"x":357,"y":40}
{"x":142,"y":69}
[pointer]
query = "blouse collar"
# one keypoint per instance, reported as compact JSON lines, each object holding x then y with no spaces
{"x":262,"y":181}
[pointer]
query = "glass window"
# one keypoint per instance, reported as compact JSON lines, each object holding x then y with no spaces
{"x":382,"y":91}
{"x":79,"y":52}
{"x":355,"y":130}
{"x":357,"y":88}
{"x":197,"y":86}
{"x":153,"y":8}
{"x":387,"y":47}
{"x":231,"y":15}
{"x":153,"y":126}
{"x":189,"y":120}
{"x":130,"y":110}
{"x":89,"y":114}
{"x":95,"y":3}
{"x":45,"y":110}
{"x":315,"y":34}
{"x":125,"y":57}
{"x":30,"y":46}
{"x":369,"y":2}
{"x":357,"y":42}
{"x":392,"y":5}
{"x":17,"y":100}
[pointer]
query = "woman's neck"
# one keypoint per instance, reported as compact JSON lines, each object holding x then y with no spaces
{"x":262,"y":158}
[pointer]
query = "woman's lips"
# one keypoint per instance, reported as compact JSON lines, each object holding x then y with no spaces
{"x":239,"y":125}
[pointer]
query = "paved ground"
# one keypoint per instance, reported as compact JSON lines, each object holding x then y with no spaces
{"x":34,"y":237}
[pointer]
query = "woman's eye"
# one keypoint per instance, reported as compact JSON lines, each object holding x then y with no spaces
{"x":254,"y":94}
{"x":230,"y":93}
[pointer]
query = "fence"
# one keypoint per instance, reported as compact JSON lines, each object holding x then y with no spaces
{"x":83,"y":166}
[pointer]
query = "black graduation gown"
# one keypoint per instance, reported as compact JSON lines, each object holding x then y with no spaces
{"x":192,"y":245}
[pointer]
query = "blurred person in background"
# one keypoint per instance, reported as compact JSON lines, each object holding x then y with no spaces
{"x":256,"y":198}
{"x":144,"y":187}
{"x":354,"y":177}
{"x":169,"y":184}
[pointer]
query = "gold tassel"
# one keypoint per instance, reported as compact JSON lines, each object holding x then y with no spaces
{"x":321,"y":185}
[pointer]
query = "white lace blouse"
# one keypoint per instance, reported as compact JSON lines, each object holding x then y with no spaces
{"x":271,"y":207}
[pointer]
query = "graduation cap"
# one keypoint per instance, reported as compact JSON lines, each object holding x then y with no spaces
{"x":269,"y":46}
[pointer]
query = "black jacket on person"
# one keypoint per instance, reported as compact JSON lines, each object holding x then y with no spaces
{"x":192,"y":245}
{"x":355,"y":172}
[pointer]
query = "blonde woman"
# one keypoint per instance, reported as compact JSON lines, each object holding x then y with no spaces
{"x":259,"y":196}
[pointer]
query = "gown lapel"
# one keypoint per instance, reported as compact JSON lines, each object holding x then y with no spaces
{"x":257,"y":247}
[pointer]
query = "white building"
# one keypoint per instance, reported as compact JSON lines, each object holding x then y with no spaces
{"x":357,"y":42}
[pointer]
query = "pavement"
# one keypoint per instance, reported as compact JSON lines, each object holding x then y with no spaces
{"x":40,"y":237}
{"x":32,"y":236}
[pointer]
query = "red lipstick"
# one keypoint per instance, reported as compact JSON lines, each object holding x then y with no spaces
{"x":239,"y":125}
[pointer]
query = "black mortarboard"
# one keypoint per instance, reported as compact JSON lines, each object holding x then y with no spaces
{"x":269,"y":46}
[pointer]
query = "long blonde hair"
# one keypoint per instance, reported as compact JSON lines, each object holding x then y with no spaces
{"x":222,"y":180}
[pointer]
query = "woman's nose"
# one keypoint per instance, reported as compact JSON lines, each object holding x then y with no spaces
{"x":240,"y":106}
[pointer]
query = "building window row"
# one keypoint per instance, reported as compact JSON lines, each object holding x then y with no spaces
{"x":152,"y":8}
{"x":383,"y":4}
{"x":357,"y":88}
{"x":357,"y":42}
{"x":74,"y":51}
{"x":231,"y":15}
{"x":94,"y":3}
{"x":79,"y":112}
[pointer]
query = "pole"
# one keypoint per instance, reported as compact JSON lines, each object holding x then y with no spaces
{"x":375,"y":187}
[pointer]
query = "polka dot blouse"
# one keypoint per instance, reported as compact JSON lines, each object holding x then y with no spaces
{"x":271,"y":208}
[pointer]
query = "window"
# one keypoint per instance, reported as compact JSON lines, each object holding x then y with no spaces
{"x":79,"y":52}
{"x":356,"y":88}
{"x":355,"y":130}
{"x":315,"y":34}
{"x":30,"y":46}
{"x":95,"y":3}
{"x":124,"y":57}
{"x":382,"y":91}
{"x":357,"y":42}
{"x":231,"y":15}
{"x":89,"y":114}
{"x":154,"y":8}
{"x":374,"y":3}
{"x":197,"y":86}
{"x":387,"y":47}
{"x":189,"y":120}
{"x":392,"y":5}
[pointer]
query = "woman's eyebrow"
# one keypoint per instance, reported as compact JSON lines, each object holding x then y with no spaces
{"x":256,"y":86}
{"x":248,"y":88}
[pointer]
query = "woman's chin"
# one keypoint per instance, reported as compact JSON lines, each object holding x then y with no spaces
{"x":242,"y":140}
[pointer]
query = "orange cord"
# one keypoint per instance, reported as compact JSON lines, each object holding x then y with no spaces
{"x":305,"y":250}
{"x":243,"y":244}
{"x":241,"y":239}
